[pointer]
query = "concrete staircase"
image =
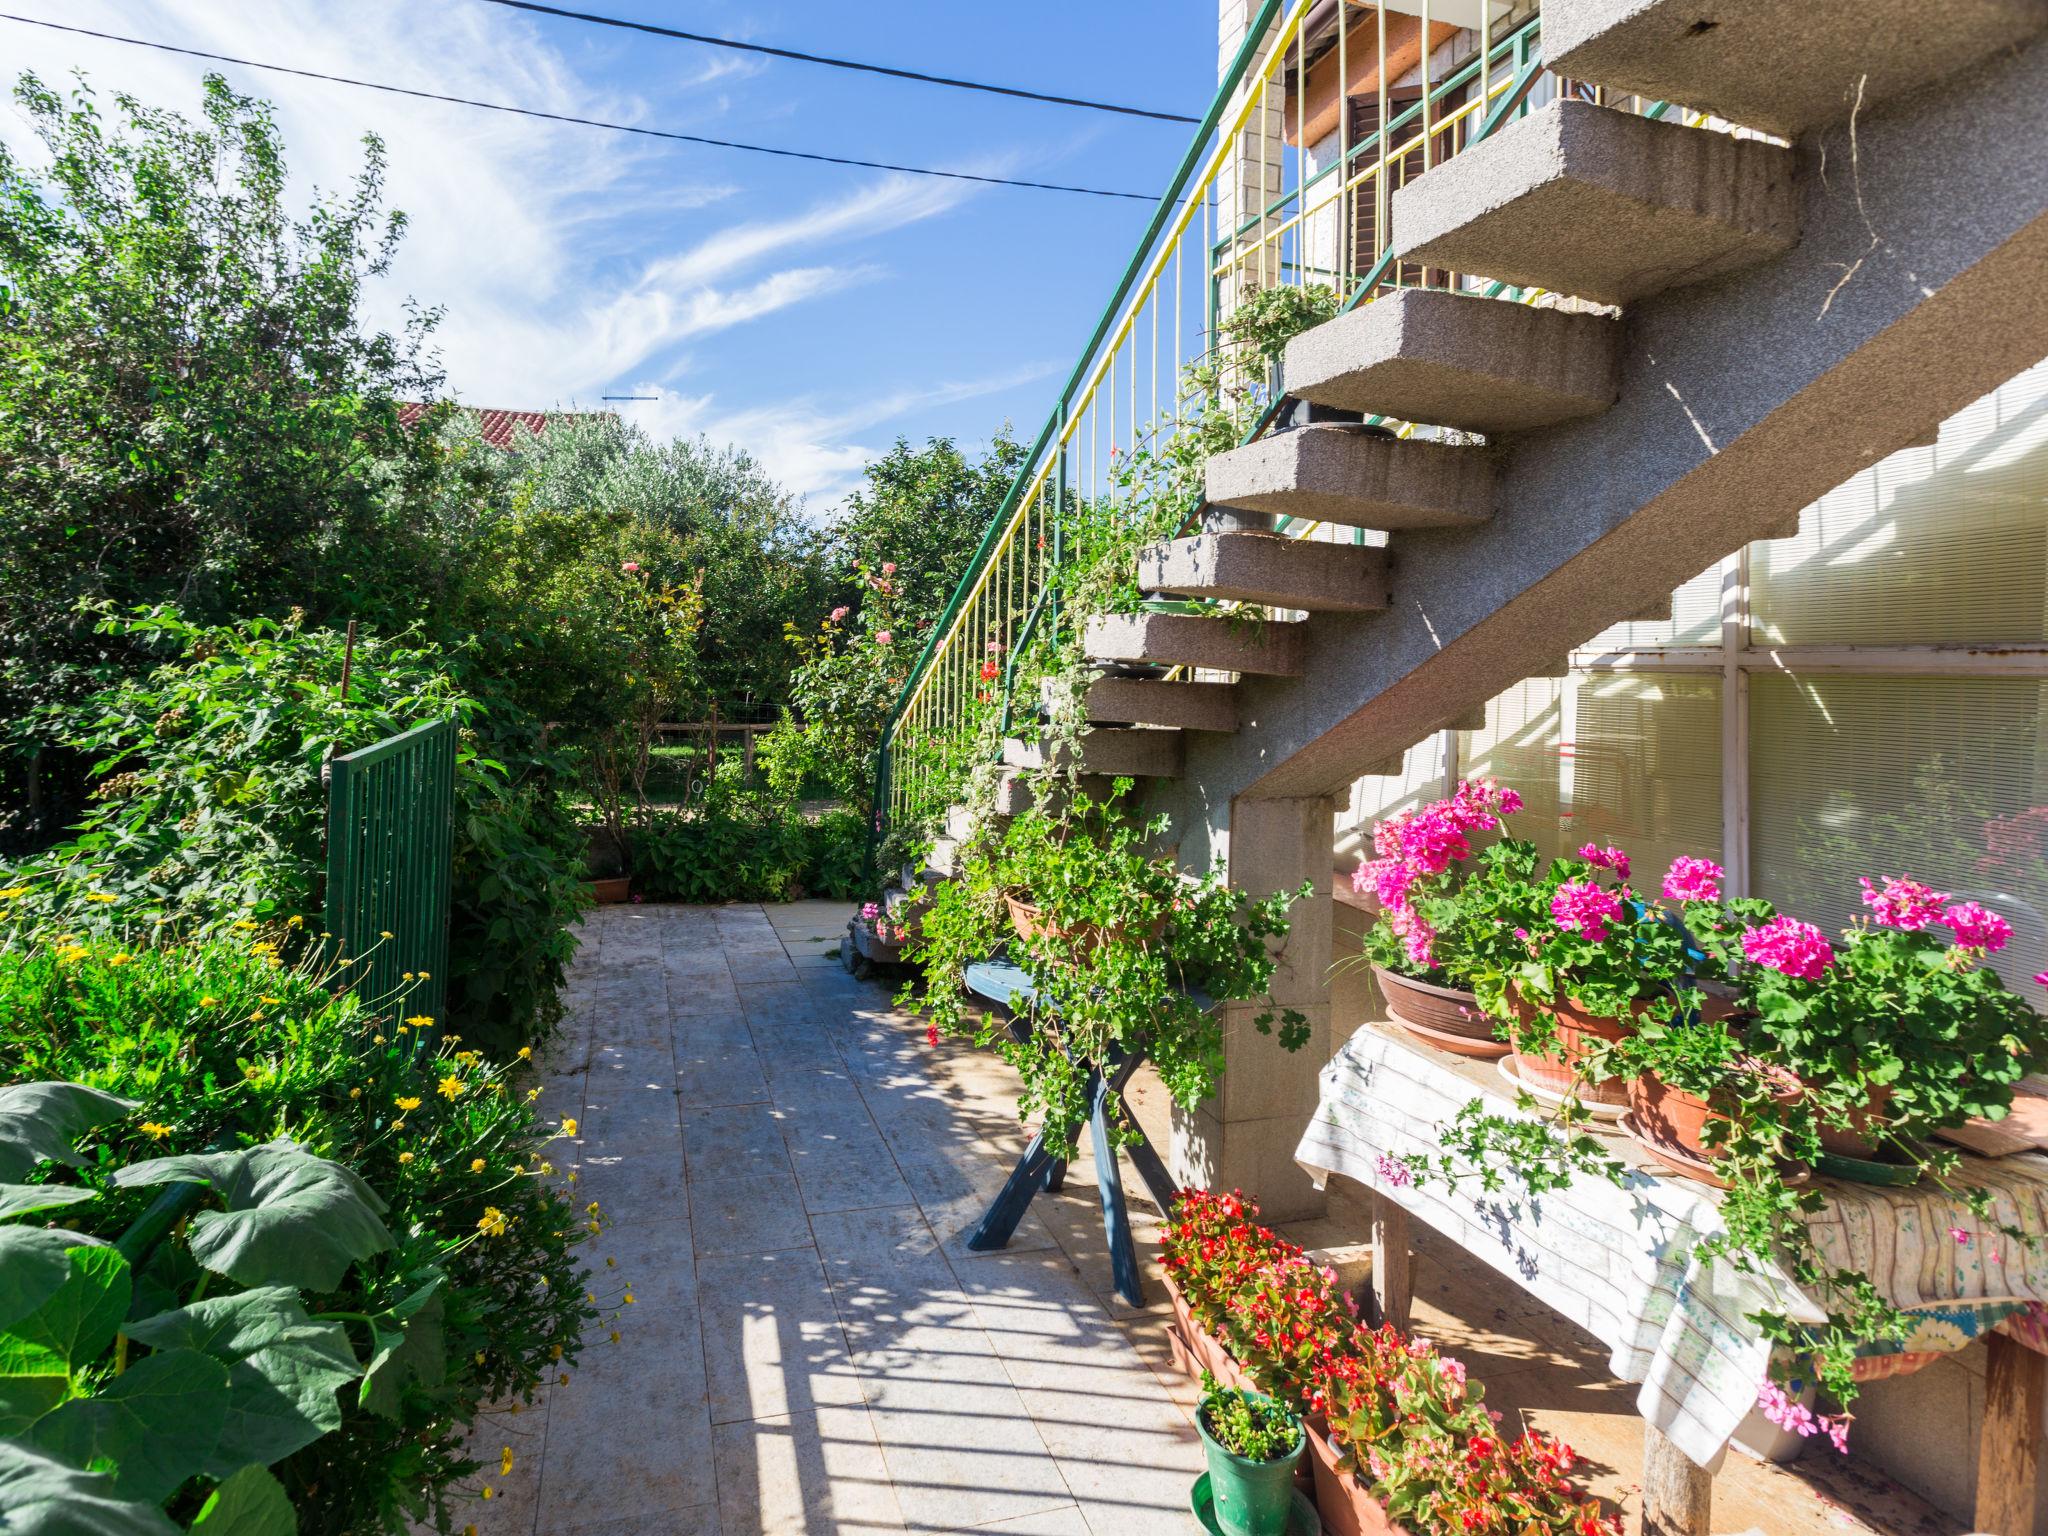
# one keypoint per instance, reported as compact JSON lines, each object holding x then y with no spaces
{"x":1728,"y":327}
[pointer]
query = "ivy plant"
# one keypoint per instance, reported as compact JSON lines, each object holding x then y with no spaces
{"x":1127,"y":954}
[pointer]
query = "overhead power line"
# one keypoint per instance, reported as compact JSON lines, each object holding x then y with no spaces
{"x":819,"y":58}
{"x":582,"y":122}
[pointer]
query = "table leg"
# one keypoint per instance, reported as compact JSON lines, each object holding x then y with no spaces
{"x":1116,"y":1217}
{"x":1678,"y":1497}
{"x":1392,"y":1282}
{"x":1000,"y":1220}
{"x":1055,"y":1175}
{"x":2009,"y":1453}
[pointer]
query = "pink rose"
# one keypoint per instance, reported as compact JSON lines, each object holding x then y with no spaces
{"x":839,"y":614}
{"x":883,"y":637}
{"x":888,"y":567}
{"x":630,"y":567}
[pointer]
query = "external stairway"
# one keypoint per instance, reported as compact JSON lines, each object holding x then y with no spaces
{"x":1668,"y":338}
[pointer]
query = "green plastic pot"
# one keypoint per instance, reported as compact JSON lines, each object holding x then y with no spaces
{"x":1253,"y":1498}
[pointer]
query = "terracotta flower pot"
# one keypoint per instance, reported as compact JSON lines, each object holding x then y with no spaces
{"x":611,"y":890}
{"x":1576,"y":1031}
{"x":1343,"y":1503}
{"x":1860,"y":1137}
{"x":1030,"y":922}
{"x":1447,"y":1017}
{"x":1668,"y":1122}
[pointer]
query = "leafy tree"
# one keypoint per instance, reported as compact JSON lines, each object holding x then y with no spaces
{"x":924,"y":510}
{"x":191,"y":409}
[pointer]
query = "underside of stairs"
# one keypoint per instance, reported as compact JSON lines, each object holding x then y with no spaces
{"x":1670,"y":338}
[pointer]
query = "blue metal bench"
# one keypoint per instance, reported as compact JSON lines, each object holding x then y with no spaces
{"x":997,"y":982}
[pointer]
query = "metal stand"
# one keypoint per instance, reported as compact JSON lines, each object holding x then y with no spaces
{"x":1038,"y":1169}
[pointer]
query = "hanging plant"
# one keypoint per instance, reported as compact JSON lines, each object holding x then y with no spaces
{"x":1125,"y":953}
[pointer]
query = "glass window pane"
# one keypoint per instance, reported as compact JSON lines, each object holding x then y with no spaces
{"x":1938,"y":778}
{"x":1939,"y":545}
{"x":1374,"y":797}
{"x":1624,"y":758}
{"x":1695,"y":619}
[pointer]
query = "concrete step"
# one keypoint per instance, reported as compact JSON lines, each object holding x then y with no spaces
{"x":1780,"y":65}
{"x":1269,"y":649}
{"x":1177,"y":705}
{"x":959,"y":824}
{"x":1136,"y":753}
{"x":914,"y":874}
{"x":1457,"y":360}
{"x":1268,"y":568}
{"x":944,"y":858}
{"x":1346,"y":475}
{"x":1017,"y":792}
{"x":1603,"y":204}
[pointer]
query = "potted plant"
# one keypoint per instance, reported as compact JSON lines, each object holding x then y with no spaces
{"x":1425,"y":935}
{"x":1126,"y":954}
{"x":1252,"y":1444}
{"x":1576,"y":959}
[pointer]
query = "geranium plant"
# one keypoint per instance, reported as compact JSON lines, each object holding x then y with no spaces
{"x":1426,"y":928}
{"x":1404,"y":1416}
{"x":1130,"y":955}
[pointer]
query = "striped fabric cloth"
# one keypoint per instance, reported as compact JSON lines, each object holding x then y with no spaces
{"x":1621,"y":1261}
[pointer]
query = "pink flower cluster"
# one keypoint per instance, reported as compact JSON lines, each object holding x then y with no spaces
{"x":1426,"y":842}
{"x":1393,"y":1173}
{"x":1606,"y":858}
{"x":1903,"y":903}
{"x":1790,"y":947}
{"x":1977,"y":927}
{"x":1790,"y":1414}
{"x":1691,"y":879}
{"x":1582,"y":907}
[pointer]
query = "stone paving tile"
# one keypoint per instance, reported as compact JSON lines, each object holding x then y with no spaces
{"x":1056,"y":1522}
{"x":634,"y":1448}
{"x":733,"y":1141}
{"x":772,"y":1340}
{"x":804,"y":1472}
{"x":630,"y":1175}
{"x":701,"y":1521}
{"x":761,"y":1213}
{"x":709,"y":1075}
{"x":841,"y":1166}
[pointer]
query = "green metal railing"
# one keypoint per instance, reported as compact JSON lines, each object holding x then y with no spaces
{"x":1248,"y":211}
{"x":390,"y":854}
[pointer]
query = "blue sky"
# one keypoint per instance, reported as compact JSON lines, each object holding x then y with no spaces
{"x":811,"y":314}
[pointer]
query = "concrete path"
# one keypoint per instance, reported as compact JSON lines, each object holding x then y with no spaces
{"x":788,"y":1168}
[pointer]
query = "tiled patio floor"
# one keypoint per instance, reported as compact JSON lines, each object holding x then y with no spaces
{"x":789,"y":1168}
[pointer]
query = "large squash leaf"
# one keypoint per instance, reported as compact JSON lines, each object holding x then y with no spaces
{"x":43,"y":1497}
{"x":291,"y":1219}
{"x":33,"y":1263}
{"x":39,"y":1121}
{"x":407,"y":1345}
{"x":40,"y":1352}
{"x":250,"y":1503}
{"x":149,"y":1428}
{"x":27,"y":1199}
{"x":283,"y":1370}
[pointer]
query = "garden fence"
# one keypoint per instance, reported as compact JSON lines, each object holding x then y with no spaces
{"x":390,"y":853}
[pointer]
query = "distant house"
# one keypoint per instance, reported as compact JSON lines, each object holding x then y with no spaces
{"x":498,"y":426}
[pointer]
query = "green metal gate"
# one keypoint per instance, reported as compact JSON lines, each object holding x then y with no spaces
{"x":390,"y":853}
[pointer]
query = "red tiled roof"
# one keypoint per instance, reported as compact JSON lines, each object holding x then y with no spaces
{"x":496,"y":425}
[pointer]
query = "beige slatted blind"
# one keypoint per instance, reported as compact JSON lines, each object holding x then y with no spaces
{"x":1945,"y":544}
{"x":1941,"y":779}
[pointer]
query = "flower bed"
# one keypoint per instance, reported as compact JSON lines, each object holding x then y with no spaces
{"x":1399,"y":1438}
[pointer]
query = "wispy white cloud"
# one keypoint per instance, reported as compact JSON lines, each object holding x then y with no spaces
{"x":816,"y":449}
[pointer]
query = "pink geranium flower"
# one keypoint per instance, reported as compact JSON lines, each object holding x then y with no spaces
{"x":1977,"y":927}
{"x":629,"y":566}
{"x":1789,"y":947}
{"x":1693,"y":880}
{"x":888,"y":567}
{"x":1582,"y":907}
{"x":840,"y":613}
{"x":1903,"y":903}
{"x":1606,"y":858}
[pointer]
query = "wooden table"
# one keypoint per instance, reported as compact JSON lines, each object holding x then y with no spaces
{"x":1617,"y":1261}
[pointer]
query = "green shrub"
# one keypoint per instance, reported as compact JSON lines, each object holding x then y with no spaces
{"x":225,"y":1048}
{"x":748,"y":848}
{"x":209,"y":808}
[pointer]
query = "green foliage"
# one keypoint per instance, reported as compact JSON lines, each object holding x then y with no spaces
{"x":925,"y":511}
{"x":191,"y":409}
{"x":848,"y":674}
{"x":383,"y":1197}
{"x":1124,"y":941}
{"x":748,"y":848}
{"x":209,"y":809}
{"x":1249,"y":1425}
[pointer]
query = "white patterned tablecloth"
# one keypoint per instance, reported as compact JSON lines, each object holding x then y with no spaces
{"x":1620,"y":1261}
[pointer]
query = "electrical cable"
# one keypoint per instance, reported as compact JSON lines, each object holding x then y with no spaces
{"x":819,"y":58}
{"x":583,"y":122}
